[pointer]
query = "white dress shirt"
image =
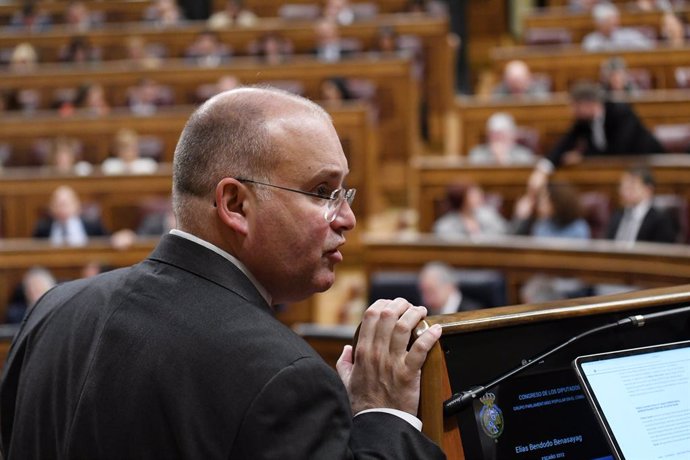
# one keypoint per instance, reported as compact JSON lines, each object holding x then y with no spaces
{"x":631,"y":221}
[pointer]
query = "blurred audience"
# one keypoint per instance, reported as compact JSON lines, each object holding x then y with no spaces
{"x":272,"y":48}
{"x":224,"y":83}
{"x":91,"y":100}
{"x":329,"y":46}
{"x":79,"y":50}
{"x":24,"y":58}
{"x":207,"y":50}
{"x":468,"y":214}
{"x":65,"y":224}
{"x":164,"y":13}
{"x":64,"y":157}
{"x":78,"y":17}
{"x":673,"y":30}
{"x":616,"y":79}
{"x":554,"y":212}
{"x":600,"y":127}
{"x":609,"y":35}
{"x":234,"y":14}
{"x":501,"y":145}
{"x":30,"y":19}
{"x":147,"y":96}
{"x":440,"y":291}
{"x":35,"y":282}
{"x":638,"y":219}
{"x":143,"y":54}
{"x":127,"y":158}
{"x":519,"y":81}
{"x":334,"y":90}
{"x":339,"y":11}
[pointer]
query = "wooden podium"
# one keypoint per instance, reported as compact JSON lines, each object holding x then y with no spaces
{"x":480,"y":345}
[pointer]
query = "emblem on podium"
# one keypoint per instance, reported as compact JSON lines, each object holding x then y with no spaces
{"x":490,"y":416}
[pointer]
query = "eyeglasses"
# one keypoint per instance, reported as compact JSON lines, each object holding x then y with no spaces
{"x":333,"y":203}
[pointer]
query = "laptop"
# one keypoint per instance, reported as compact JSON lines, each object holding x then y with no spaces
{"x":641,"y":398}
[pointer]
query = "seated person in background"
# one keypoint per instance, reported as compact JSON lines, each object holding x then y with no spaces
{"x":386,"y":40}
{"x":334,"y":90}
{"x":518,"y":81}
{"x":468,"y":214}
{"x":30,"y":19}
{"x":142,"y":54}
{"x":329,"y":46}
{"x":653,"y":5}
{"x":24,"y":58}
{"x":600,"y":127}
{"x":164,"y":13}
{"x":673,"y":30}
{"x":64,"y":157}
{"x":339,"y":11}
{"x":91,"y":100}
{"x":65,"y":225}
{"x":78,"y":17}
{"x":440,"y":292}
{"x":616,"y":79}
{"x":79,"y":50}
{"x":272,"y":48}
{"x":147,"y":96}
{"x":224,"y":83}
{"x":207,"y":50}
{"x":234,"y":14}
{"x":609,"y":35}
{"x":554,"y":213}
{"x":501,"y":147}
{"x":127,"y":159}
{"x":35,"y":282}
{"x":638,"y":220}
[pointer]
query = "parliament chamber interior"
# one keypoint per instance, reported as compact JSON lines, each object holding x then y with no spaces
{"x":449,"y":113}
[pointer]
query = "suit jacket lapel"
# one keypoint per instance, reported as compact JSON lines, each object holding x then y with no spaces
{"x":194,"y":258}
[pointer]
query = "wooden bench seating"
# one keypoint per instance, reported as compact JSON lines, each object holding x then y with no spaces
{"x":552,"y":118}
{"x":433,"y":175}
{"x":580,"y":24}
{"x":567,"y":64}
{"x":112,"y":10}
{"x":396,"y":98}
{"x":25,"y":192}
{"x":519,"y":258}
{"x":437,"y":50}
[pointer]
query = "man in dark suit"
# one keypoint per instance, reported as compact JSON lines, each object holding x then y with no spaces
{"x":180,"y":356}
{"x":65,"y":225}
{"x":440,"y":293}
{"x":600,"y":127}
{"x":638,"y":220}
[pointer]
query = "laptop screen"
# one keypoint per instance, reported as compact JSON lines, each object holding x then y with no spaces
{"x":642,"y":399}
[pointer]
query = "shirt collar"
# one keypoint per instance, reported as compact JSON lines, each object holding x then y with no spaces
{"x":232,"y":259}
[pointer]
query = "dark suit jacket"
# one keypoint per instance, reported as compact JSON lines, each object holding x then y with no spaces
{"x":91,"y":227}
{"x":656,"y":227}
{"x":179,"y":357}
{"x":625,"y":135}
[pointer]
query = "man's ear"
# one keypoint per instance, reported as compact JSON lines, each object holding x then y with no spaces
{"x":231,"y":204}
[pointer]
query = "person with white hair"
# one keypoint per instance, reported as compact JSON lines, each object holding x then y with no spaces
{"x":518,"y":81}
{"x":609,"y":35}
{"x":440,"y":290}
{"x":501,"y":147}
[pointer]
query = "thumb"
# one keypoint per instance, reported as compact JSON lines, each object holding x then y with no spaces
{"x":344,"y":364}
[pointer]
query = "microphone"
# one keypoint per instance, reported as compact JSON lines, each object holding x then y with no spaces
{"x":463,"y":399}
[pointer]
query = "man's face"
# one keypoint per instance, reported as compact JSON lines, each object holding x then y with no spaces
{"x":293,"y":249}
{"x":633,"y":190}
{"x":64,"y":204}
{"x":587,"y":110}
{"x":434,"y":293}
